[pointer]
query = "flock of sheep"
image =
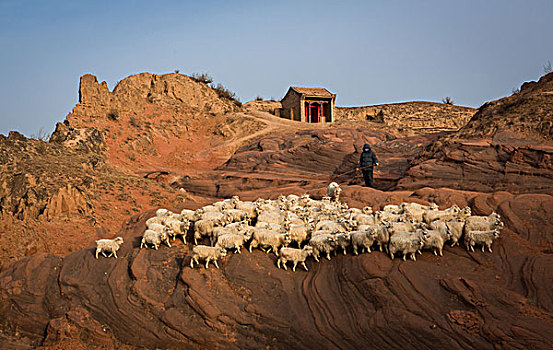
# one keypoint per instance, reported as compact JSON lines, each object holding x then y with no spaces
{"x":296,"y":227}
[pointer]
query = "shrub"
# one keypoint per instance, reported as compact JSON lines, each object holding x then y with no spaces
{"x":41,"y":135}
{"x":516,"y":91}
{"x":259,"y":98}
{"x":447,"y":100}
{"x":225,"y":93}
{"x":202,"y":78}
{"x":177,"y":71}
{"x":113,"y":115}
{"x":547,"y":67}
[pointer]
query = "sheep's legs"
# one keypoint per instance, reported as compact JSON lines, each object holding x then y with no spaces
{"x":328,"y":255}
{"x":303,"y":264}
{"x":490,"y":248}
{"x":294,"y":267}
{"x":215,"y":262}
{"x":207,"y":263}
{"x":115,"y":255}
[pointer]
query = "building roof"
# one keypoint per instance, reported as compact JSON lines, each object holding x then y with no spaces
{"x":310,"y":91}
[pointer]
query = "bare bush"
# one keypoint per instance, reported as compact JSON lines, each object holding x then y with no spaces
{"x":41,"y":135}
{"x":447,"y":100}
{"x":202,"y":78}
{"x":113,"y":115}
{"x":259,"y":98}
{"x":547,"y":67}
{"x":223,"y":92}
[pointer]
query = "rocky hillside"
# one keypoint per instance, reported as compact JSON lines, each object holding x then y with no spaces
{"x":506,"y":146}
{"x":526,"y":115}
{"x":111,"y":158}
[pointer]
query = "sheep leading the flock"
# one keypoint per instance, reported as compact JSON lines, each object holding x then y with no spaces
{"x":110,"y":246}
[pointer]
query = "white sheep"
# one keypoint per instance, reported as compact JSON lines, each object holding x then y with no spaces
{"x":454,"y":226}
{"x":363,"y":219}
{"x":295,"y":255}
{"x":435,"y":239}
{"x":488,"y":218}
{"x":333,"y":191}
{"x":177,"y":228}
{"x":392,"y":209}
{"x":363,"y":240}
{"x":405,"y":243}
{"x":324,"y":243}
{"x":483,"y":238}
{"x":208,"y":254}
{"x":382,"y":235}
{"x":232,"y":241}
{"x":483,"y":225}
{"x":267,"y":238}
{"x":110,"y":246}
{"x":154,"y":238}
{"x":343,"y":240}
{"x":249,"y":208}
{"x":155,"y":220}
{"x":190,"y":215}
{"x":235,"y":215}
{"x":234,"y":228}
{"x":204,"y":228}
{"x":162,"y":212}
{"x":298,"y":232}
{"x":417,"y":210}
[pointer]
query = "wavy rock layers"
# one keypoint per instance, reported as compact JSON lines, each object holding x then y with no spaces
{"x":483,"y":166}
{"x":149,"y":298}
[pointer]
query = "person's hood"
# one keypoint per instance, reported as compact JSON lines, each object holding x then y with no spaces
{"x":366,"y":147}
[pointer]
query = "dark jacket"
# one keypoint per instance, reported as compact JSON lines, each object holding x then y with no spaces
{"x":368,"y":157}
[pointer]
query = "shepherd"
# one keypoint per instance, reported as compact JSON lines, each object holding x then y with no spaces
{"x":366,"y":163}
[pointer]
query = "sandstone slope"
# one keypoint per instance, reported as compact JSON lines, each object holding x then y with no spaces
{"x":153,"y":299}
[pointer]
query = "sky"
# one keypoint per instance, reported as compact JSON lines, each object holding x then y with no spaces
{"x":367,"y":52}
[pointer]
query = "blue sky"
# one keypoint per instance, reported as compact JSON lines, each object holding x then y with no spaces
{"x":367,"y":52}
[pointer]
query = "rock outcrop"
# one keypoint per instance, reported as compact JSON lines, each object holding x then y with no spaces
{"x":525,"y":116}
{"x":507,"y":145}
